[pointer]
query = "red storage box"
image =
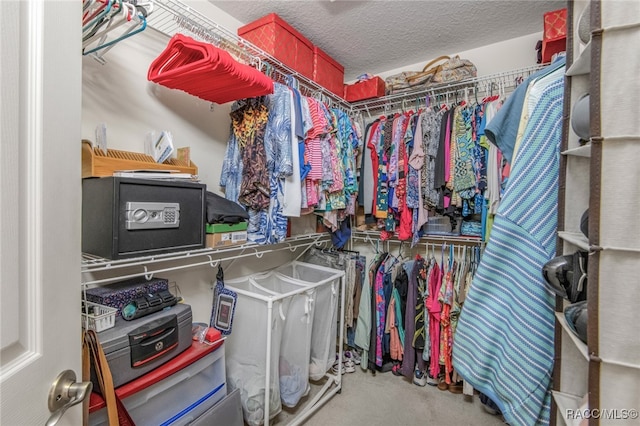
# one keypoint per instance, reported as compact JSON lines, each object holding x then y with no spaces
{"x":365,"y":89}
{"x":327,"y":72}
{"x":554,"y":38}
{"x":275,"y":36}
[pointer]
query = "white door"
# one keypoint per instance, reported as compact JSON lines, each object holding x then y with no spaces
{"x":40,"y":203}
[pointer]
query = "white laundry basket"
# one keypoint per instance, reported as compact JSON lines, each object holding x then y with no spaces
{"x":325,"y":318}
{"x":295,"y":345}
{"x":248,"y":362}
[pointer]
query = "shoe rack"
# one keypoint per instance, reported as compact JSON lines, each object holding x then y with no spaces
{"x":602,"y":375}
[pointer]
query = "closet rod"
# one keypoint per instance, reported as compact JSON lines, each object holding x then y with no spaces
{"x":507,"y":80}
{"x":172,"y":17}
{"x":374,"y":236}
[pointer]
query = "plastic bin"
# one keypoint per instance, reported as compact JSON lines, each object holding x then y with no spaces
{"x":438,"y":225}
{"x":324,"y":326}
{"x":179,"y":398}
{"x":247,"y":363}
{"x":295,"y":345}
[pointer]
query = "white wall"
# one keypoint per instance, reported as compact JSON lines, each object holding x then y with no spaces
{"x":493,"y":58}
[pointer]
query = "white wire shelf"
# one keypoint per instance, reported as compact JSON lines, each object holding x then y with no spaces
{"x":172,"y":17}
{"x":374,"y":236}
{"x":478,"y":87}
{"x":98,"y":270}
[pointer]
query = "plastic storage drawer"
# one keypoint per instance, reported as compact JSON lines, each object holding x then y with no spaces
{"x":227,"y":412}
{"x":178,"y":399}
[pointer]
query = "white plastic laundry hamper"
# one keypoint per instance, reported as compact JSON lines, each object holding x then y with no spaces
{"x":253,"y":349}
{"x":324,"y":328}
{"x":295,"y":344}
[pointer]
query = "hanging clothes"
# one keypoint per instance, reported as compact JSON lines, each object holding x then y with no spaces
{"x":289,"y":155}
{"x":507,"y":323}
{"x":412,"y":360}
{"x":434,"y":307}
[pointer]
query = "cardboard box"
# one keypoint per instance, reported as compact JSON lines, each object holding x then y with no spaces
{"x":327,"y":72}
{"x":365,"y":89}
{"x":275,"y":36}
{"x":225,"y":239}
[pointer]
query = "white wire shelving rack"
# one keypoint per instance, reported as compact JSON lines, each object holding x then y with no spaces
{"x":98,"y":270}
{"x":374,"y":237}
{"x":470,"y":90}
{"x":172,"y":16}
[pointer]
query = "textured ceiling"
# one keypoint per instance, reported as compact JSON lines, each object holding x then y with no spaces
{"x":378,"y":36}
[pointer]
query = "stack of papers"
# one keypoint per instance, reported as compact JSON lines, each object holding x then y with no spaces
{"x":156,"y":174}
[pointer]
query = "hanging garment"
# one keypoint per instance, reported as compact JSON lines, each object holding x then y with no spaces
{"x":249,"y":125}
{"x":434,"y":307}
{"x":446,"y":298}
{"x":292,"y":195}
{"x":373,"y":270}
{"x":410,"y":358}
{"x":503,"y":130}
{"x":363,"y":324}
{"x":507,"y":323}
{"x":231,"y":173}
{"x":269,"y":226}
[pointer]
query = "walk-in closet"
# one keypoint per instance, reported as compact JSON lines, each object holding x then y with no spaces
{"x":319,"y":212}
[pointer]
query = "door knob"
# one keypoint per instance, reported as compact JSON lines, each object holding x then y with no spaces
{"x":65,"y":393}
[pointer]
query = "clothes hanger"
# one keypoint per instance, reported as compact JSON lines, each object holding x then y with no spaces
{"x":124,"y":13}
{"x":95,"y":16}
{"x":138,"y":25}
{"x":451,"y":256}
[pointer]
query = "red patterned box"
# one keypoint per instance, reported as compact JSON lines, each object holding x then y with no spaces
{"x":554,"y":38}
{"x":327,"y":72}
{"x":365,"y":89}
{"x":275,"y":36}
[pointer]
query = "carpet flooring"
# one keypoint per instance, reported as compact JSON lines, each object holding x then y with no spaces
{"x":384,"y":399}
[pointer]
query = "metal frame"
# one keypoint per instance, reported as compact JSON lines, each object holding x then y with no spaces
{"x":334,"y":383}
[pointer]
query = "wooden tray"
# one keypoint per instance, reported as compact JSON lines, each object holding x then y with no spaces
{"x":96,"y":164}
